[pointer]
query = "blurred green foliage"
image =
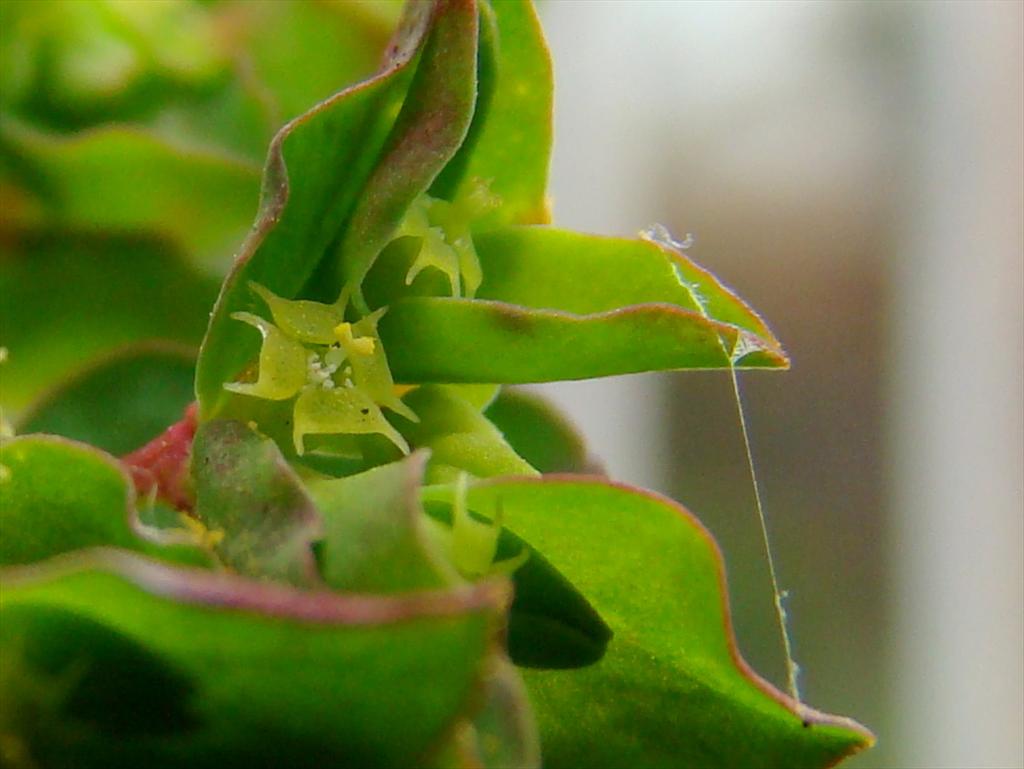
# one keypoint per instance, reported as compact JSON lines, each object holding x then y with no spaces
{"x":131,"y":140}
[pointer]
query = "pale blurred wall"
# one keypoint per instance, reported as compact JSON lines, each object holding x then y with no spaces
{"x":955,"y":416}
{"x":854,"y":170}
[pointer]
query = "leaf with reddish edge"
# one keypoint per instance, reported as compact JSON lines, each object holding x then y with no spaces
{"x":58,"y":495}
{"x":318,"y":168}
{"x":269,"y":675}
{"x":672,"y":688}
{"x":430,"y":128}
{"x":645,"y":306}
{"x":452,"y":340}
{"x":261,"y":519}
{"x":540,"y":268}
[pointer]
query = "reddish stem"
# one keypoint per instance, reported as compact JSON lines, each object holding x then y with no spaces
{"x":163,"y":463}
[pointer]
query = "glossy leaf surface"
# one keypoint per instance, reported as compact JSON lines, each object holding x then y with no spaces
{"x":672,"y":689}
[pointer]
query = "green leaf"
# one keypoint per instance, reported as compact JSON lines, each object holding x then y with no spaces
{"x":374,"y":535}
{"x":539,"y":433}
{"x":376,"y":540}
{"x":502,"y":735}
{"x":541,"y":268}
{"x":57,"y":496}
{"x":120,"y":402}
{"x":550,"y":623}
{"x":644,"y":306}
{"x":672,"y":689}
{"x":66,"y":298}
{"x":249,"y":498}
{"x":130,"y":179}
{"x":263,"y":675}
{"x":509,"y":142}
{"x":458,"y":435}
{"x":453,"y":340}
{"x":317,"y":168}
{"x":505,"y":731}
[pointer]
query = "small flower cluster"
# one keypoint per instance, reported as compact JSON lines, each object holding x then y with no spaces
{"x":336,"y":370}
{"x":446,"y":242}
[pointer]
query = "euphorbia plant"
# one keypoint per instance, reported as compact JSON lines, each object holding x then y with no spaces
{"x":357,"y":547}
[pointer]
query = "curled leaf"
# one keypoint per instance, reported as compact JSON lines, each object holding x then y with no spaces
{"x":375,"y":534}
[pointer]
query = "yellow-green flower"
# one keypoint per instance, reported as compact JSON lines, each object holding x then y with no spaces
{"x":336,"y":371}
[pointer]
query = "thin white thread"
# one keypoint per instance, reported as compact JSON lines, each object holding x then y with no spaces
{"x":792,"y":669}
{"x":661,"y":236}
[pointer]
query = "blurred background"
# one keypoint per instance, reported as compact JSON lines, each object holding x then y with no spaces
{"x":853,"y":169}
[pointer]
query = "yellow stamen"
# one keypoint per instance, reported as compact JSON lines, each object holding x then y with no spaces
{"x":364,"y":345}
{"x":203,"y":537}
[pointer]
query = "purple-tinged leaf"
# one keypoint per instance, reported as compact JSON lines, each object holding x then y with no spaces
{"x":258,"y":517}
